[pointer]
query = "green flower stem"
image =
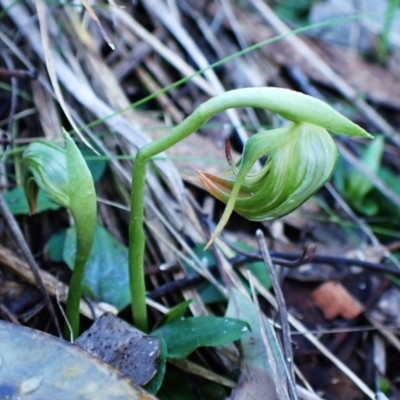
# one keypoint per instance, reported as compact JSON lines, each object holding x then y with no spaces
{"x":85,"y":225}
{"x":294,"y":106}
{"x":136,"y":245}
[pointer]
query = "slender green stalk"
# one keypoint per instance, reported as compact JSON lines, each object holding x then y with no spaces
{"x":85,"y":225}
{"x":84,"y":213}
{"x":136,"y":245}
{"x":291,"y":105}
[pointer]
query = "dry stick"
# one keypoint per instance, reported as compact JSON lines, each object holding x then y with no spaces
{"x":287,"y":260}
{"x":17,"y":73}
{"x":345,"y":207}
{"x":282,"y":313}
{"x":361,"y":223}
{"x":195,"y":369}
{"x":20,"y":240}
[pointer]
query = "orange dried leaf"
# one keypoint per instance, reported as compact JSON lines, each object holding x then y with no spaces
{"x":334,"y":300}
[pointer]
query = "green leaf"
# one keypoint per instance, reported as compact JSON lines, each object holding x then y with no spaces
{"x":97,"y":166}
{"x":54,"y":248}
{"x":175,"y":313}
{"x":259,"y":270}
{"x":17,"y":203}
{"x":367,"y":206}
{"x":178,"y":385}
{"x":185,"y":336}
{"x":209,"y":294}
{"x":106,"y":272}
{"x":357,"y":184}
{"x":154,"y":385}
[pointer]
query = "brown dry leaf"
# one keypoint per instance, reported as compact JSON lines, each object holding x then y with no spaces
{"x":334,"y":300}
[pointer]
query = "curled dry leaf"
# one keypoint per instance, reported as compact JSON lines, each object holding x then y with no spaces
{"x":334,"y":300}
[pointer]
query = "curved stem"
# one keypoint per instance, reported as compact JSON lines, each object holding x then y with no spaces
{"x":294,"y":106}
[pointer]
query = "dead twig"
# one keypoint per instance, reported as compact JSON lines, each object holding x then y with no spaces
{"x":23,"y":246}
{"x":282,"y":313}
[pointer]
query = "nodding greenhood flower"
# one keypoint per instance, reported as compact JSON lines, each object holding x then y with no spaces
{"x":63,"y":175}
{"x":301,"y":159}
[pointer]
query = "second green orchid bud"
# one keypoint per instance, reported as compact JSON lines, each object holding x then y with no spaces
{"x":63,"y":175}
{"x":45,"y":168}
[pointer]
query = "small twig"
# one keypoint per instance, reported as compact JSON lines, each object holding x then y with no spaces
{"x":23,"y":246}
{"x":307,"y":255}
{"x":18,"y":73}
{"x":189,"y":280}
{"x":278,"y":257}
{"x":287,"y":260}
{"x":282,"y":313}
{"x":53,"y":286}
{"x":189,"y":366}
{"x":9,"y":314}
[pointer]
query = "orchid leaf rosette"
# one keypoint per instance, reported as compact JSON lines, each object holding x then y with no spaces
{"x":301,"y":157}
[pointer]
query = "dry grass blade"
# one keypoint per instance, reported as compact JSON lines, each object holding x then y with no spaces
{"x":47,"y":49}
{"x":162,"y":12}
{"x":53,"y":286}
{"x":94,"y":17}
{"x":273,"y":351}
{"x":287,"y":345}
{"x":197,"y":370}
{"x":163,"y":50}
